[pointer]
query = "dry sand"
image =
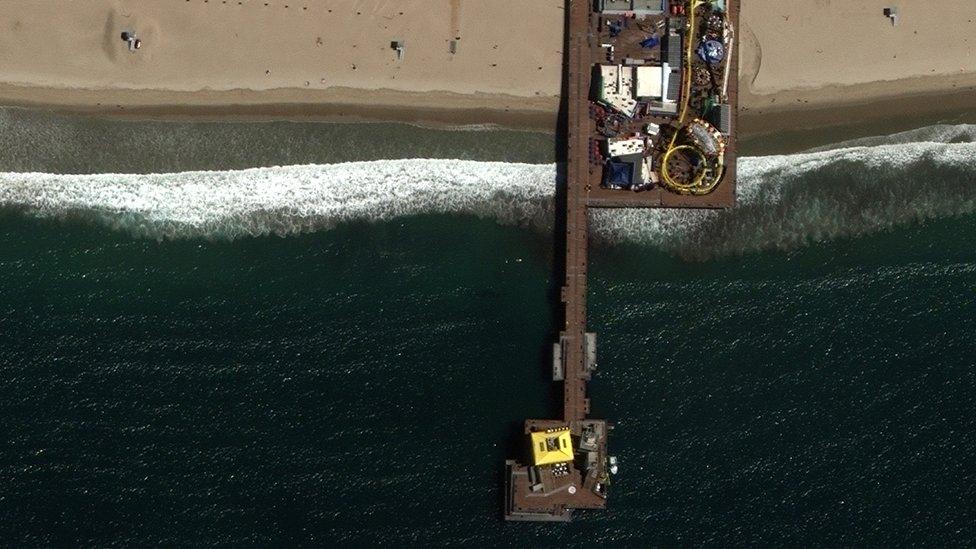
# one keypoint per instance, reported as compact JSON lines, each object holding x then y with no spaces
{"x":832,"y":60}
{"x":333,"y":57}
{"x":253,"y":52}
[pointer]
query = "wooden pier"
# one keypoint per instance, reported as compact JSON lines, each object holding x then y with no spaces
{"x":546,"y":493}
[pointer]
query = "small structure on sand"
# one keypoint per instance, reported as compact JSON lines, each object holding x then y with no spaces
{"x":129,"y":38}
{"x":398,"y":46}
{"x":892,"y":13}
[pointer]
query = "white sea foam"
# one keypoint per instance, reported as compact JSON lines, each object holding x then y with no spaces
{"x":849,"y":189}
{"x":788,"y":200}
{"x":939,"y":133}
{"x":286,"y":200}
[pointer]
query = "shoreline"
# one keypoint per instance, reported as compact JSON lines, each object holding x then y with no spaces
{"x":433,"y":109}
{"x":864,"y":103}
{"x":788,"y":111}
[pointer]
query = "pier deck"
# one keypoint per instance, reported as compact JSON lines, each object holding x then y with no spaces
{"x":546,"y":493}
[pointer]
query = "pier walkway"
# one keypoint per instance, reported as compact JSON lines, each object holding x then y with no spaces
{"x":570,"y":465}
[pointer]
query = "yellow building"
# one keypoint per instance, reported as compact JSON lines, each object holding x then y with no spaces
{"x":551,"y":446}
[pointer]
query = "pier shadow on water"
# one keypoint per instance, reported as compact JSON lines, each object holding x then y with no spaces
{"x":515,"y":443}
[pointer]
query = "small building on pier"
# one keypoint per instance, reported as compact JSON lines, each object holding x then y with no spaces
{"x":551,"y":446}
{"x":637,"y":7}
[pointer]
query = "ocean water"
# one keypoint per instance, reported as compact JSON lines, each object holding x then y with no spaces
{"x":311,"y":334}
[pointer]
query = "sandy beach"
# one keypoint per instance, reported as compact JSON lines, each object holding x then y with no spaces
{"x":333,"y":56}
{"x":464,"y":61}
{"x":826,"y":62}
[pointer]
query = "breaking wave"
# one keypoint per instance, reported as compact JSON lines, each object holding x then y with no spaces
{"x":287,"y":200}
{"x":939,"y":133}
{"x":848,"y":189}
{"x":786,"y":201}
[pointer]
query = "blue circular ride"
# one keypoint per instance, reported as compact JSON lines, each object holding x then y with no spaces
{"x":711,"y":51}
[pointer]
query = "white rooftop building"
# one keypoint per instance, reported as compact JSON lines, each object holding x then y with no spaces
{"x":621,"y":87}
{"x":654,"y":83}
{"x":638,"y":7}
{"x":623,"y":147}
{"x":616,"y":88}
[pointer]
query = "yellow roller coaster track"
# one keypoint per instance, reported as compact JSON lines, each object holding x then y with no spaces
{"x":698,"y":185}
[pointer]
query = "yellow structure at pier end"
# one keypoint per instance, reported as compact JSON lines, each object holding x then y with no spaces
{"x":551,"y":446}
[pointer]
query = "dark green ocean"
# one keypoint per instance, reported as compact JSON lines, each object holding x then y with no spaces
{"x":283,"y":334}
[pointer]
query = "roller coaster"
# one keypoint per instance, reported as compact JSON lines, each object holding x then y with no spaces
{"x":702,"y":170}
